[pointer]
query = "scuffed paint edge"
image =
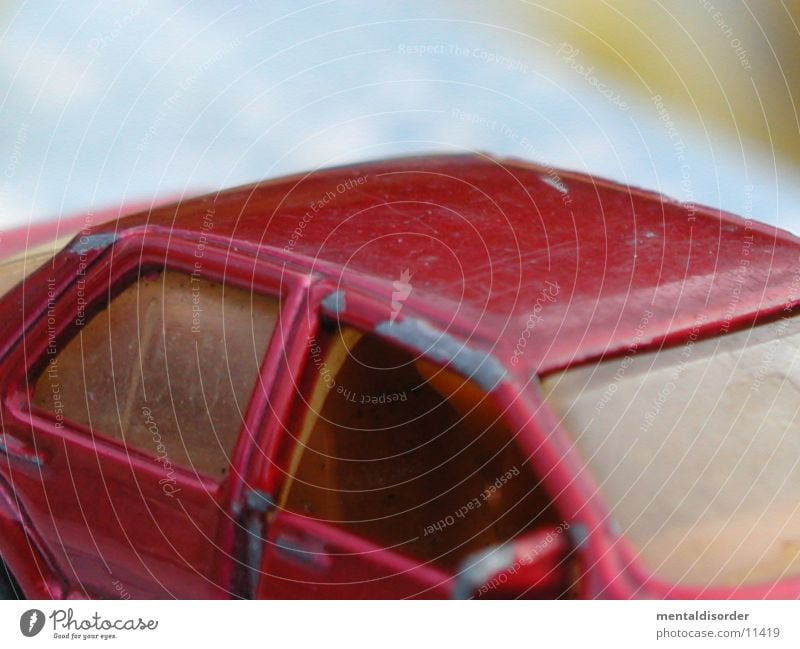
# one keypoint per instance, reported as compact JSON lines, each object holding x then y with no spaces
{"x":335,"y":302}
{"x":478,"y":366}
{"x":88,"y":242}
{"x":480,"y":567}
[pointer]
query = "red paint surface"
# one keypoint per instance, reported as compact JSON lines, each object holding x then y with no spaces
{"x":485,"y":241}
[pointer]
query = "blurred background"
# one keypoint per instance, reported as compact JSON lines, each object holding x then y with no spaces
{"x":105,"y":103}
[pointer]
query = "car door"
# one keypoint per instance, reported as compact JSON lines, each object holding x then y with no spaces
{"x":130,"y":415}
{"x":307,"y":559}
{"x":391,"y":469}
{"x":306,"y":554}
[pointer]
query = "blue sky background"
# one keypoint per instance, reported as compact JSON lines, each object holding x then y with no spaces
{"x":111,"y":102}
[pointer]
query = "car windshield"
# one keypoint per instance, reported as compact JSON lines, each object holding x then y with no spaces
{"x":696,"y":451}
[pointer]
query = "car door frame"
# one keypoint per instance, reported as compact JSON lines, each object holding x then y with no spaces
{"x":364,"y":310}
{"x":111,"y":258}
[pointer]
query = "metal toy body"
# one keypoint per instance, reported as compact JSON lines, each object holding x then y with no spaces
{"x":499,"y":271}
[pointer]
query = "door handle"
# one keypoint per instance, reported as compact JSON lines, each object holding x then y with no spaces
{"x":15,"y":449}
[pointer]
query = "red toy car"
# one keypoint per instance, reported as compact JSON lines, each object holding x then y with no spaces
{"x":427,"y":377}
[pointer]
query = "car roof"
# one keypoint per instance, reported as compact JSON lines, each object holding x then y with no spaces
{"x":574,"y":266}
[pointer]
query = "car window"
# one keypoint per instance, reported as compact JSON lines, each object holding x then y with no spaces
{"x":408,"y":455}
{"x":695,"y":449}
{"x":167,"y":368}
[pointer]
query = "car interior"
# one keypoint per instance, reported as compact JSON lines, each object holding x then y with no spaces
{"x":409,"y":455}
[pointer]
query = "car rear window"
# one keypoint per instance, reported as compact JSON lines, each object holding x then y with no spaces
{"x":696,"y":451}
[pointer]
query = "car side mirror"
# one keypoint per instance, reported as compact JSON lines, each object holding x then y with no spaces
{"x":532,"y":566}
